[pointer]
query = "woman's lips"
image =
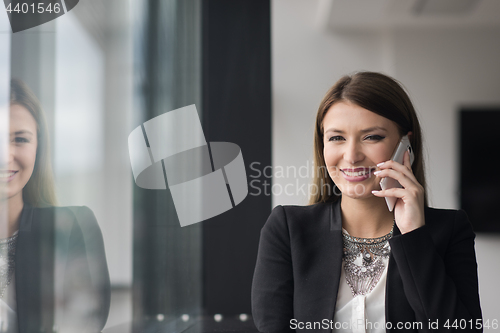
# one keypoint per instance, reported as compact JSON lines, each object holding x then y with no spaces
{"x":357,"y":174}
{"x":7,"y":176}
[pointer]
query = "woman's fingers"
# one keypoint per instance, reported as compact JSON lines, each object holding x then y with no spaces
{"x":402,"y":178}
{"x":404,"y":175}
{"x":404,"y":168}
{"x":391,"y":192}
{"x":408,"y":196}
{"x":408,"y":184}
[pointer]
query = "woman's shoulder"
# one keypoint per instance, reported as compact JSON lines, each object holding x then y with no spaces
{"x":62,"y":211}
{"x":293,"y":217}
{"x":448,"y":223}
{"x":68,"y":222}
{"x":306,"y":209}
{"x":444,"y":216}
{"x":298,"y":212}
{"x":58,"y":217}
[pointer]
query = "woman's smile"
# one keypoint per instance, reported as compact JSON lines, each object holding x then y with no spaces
{"x":357,"y":174}
{"x":7,"y":175}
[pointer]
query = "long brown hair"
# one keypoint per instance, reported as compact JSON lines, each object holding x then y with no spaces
{"x":380,"y":94}
{"x":39,"y":191}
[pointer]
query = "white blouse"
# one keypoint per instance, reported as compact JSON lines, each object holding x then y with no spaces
{"x":363,"y":313}
{"x":8,"y":307}
{"x":8,"y":304}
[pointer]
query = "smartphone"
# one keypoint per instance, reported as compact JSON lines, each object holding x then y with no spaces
{"x":398,"y":155}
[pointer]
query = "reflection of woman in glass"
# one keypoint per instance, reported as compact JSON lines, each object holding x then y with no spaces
{"x":348,"y":264}
{"x":54,"y":272}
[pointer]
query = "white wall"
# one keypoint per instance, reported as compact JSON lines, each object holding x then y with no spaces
{"x":442,"y":69}
{"x":93,"y":112}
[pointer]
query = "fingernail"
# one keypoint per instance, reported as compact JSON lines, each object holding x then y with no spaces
{"x":377,"y":172}
{"x":380,"y":164}
{"x":374,"y":191}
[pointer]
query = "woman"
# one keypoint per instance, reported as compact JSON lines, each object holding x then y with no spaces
{"x":345,"y":262}
{"x":54,"y":275}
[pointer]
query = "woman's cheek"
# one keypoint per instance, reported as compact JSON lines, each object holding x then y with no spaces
{"x":29,"y":158}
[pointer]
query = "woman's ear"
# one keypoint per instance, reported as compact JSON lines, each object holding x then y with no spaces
{"x":409,"y":134}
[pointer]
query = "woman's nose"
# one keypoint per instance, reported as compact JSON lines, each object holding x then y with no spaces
{"x":10,"y":157}
{"x":353,"y":153}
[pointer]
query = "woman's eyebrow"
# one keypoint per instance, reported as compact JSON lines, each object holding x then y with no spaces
{"x":373,"y":129}
{"x":334,"y":130}
{"x":362,"y":131}
{"x":22,"y":132}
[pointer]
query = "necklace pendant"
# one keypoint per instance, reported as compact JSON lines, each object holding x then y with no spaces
{"x":363,"y":261}
{"x":7,"y":262}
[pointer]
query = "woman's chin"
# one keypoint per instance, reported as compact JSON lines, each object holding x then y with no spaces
{"x":3,"y":195}
{"x":356,"y":196}
{"x":357,"y":191}
{"x":9,"y":193}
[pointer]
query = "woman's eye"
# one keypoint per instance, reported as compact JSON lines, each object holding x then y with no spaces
{"x":336,"y":138}
{"x":375,"y":137}
{"x":20,"y":140}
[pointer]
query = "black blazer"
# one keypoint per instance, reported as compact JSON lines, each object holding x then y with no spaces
{"x":61,"y":275}
{"x":432,"y":271}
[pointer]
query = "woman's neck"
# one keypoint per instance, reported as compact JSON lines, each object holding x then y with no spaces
{"x":10,"y":212}
{"x":366,"y":218}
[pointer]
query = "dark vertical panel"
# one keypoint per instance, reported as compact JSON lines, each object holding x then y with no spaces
{"x":479,"y":159}
{"x":236,"y":58}
{"x":167,"y":258}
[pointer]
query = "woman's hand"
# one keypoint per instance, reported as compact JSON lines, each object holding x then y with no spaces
{"x":409,"y":209}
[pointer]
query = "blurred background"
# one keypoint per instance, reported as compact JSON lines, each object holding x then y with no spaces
{"x":257,"y":71}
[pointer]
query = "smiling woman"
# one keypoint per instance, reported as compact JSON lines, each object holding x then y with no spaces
{"x":29,"y":137}
{"x":53,"y":271}
{"x":371,"y":97}
{"x":346,"y":260}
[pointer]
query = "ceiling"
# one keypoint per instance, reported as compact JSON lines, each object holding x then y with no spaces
{"x":341,"y":15}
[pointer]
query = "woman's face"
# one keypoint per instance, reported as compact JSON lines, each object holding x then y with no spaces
{"x":355,"y":141}
{"x":22,"y":150}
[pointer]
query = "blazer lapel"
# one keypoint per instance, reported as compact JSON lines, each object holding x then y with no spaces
{"x":25,"y":272}
{"x":318,"y":266}
{"x":336,"y":244}
{"x":34,"y":271}
{"x":397,"y":308}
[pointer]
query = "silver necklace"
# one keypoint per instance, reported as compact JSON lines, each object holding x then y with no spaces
{"x":363,"y":261}
{"x":7,"y":261}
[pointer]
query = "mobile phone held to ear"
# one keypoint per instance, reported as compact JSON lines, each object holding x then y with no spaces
{"x":398,"y":155}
